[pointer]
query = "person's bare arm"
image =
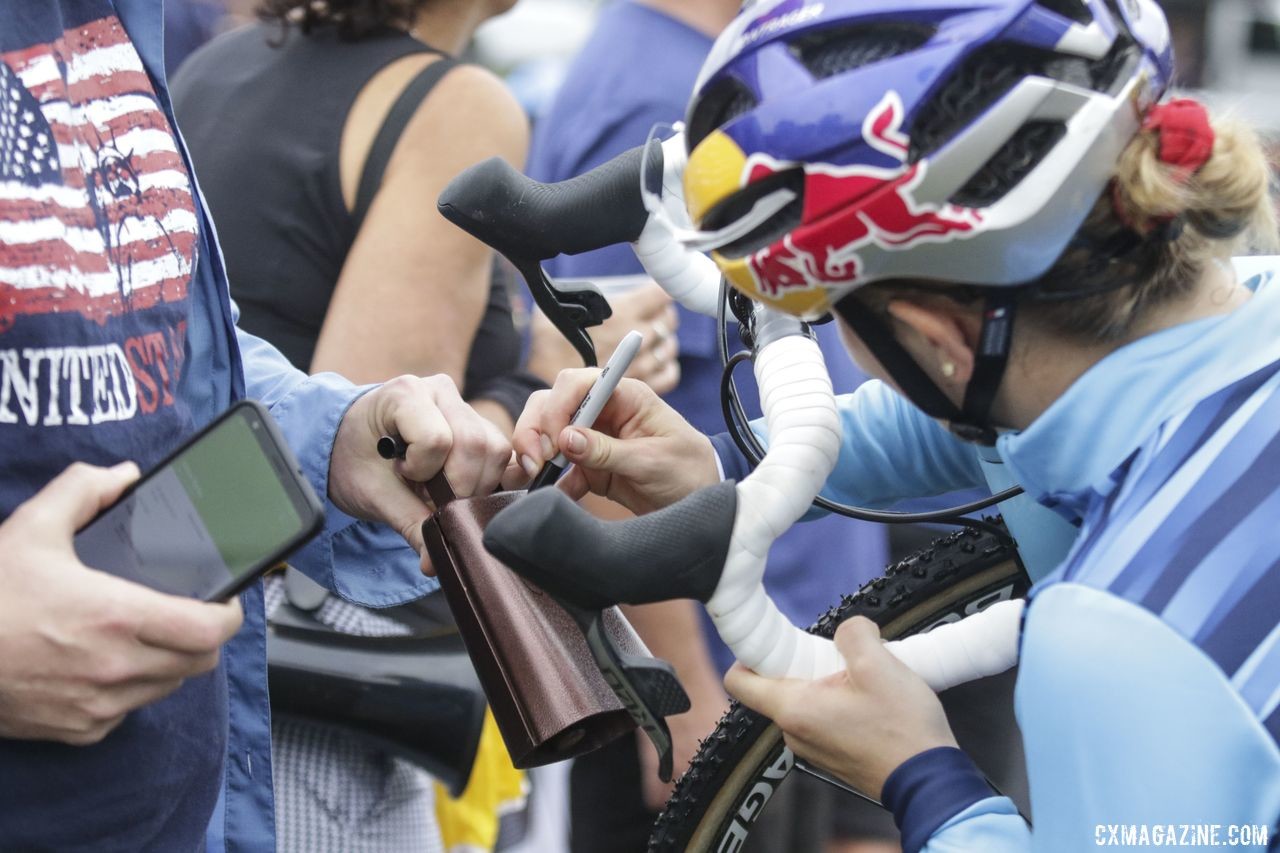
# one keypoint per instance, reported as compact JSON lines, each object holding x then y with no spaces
{"x":414,"y":287}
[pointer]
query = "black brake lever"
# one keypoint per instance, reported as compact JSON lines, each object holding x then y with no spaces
{"x":571,"y":306}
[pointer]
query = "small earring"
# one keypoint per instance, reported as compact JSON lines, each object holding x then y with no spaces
{"x":948,"y":369}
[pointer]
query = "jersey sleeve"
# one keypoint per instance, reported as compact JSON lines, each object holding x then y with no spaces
{"x":891,"y":451}
{"x":364,"y":562}
{"x":942,"y":804}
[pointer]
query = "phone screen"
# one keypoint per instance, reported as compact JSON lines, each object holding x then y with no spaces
{"x":211,"y":514}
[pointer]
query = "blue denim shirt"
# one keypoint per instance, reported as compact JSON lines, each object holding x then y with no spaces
{"x":364,"y":563}
{"x":145,"y":764}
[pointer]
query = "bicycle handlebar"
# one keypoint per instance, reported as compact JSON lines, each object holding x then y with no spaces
{"x":572,"y":554}
{"x":529,"y":220}
{"x":713,"y":545}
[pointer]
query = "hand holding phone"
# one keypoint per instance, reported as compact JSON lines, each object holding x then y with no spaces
{"x":79,"y":648}
{"x":221,"y":510}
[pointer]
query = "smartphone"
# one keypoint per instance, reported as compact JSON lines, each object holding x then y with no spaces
{"x":213,"y":517}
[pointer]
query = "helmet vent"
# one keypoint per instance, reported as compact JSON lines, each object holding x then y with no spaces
{"x":740,"y":203}
{"x":992,"y":72}
{"x":1110,"y":70}
{"x":720,"y":104}
{"x":1073,"y":10}
{"x":833,"y":52}
{"x":1013,"y":162}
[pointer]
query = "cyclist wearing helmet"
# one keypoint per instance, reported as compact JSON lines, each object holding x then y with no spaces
{"x":1033,"y":250}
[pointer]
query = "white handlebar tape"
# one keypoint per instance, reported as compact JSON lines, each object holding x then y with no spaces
{"x":977,"y":646}
{"x":804,"y":441}
{"x":690,"y":277}
{"x":804,"y":433}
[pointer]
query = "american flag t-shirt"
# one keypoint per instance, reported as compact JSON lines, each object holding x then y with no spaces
{"x":98,"y":236}
{"x":98,"y":285}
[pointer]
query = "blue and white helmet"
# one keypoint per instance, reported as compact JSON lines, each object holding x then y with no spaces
{"x":955,"y":141}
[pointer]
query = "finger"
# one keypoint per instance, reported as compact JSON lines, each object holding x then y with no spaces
{"x":183,"y":624}
{"x":515,"y":475}
{"x":428,"y":568}
{"x":652,"y":365}
{"x":574,"y":484}
{"x":765,"y":695}
{"x":497,"y":456}
{"x":428,"y":436}
{"x":151,"y":663}
{"x":671,"y":317}
{"x":129,"y":697}
{"x":645,"y":303}
{"x":666,"y":380}
{"x":525,"y":438}
{"x":85,"y":734}
{"x":565,"y":398}
{"x":546,"y":413}
{"x":596,"y":451}
{"x":74,"y":497}
{"x":857,"y":637}
{"x":403,"y":509}
{"x":479,"y":452}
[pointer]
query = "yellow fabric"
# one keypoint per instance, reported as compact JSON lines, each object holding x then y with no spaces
{"x":470,"y":822}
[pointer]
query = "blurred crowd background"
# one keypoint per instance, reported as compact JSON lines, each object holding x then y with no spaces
{"x":1230,"y":49}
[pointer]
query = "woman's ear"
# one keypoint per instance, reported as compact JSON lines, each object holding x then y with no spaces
{"x":942,"y":335}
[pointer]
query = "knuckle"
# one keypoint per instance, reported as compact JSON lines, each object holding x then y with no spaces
{"x":86,"y":736}
{"x":206,"y":662}
{"x":442,"y":383}
{"x":400,"y":386}
{"x":97,"y":711}
{"x":80,"y":470}
{"x":116,"y":618}
{"x":858,"y":629}
{"x":111,"y":671}
{"x":437,"y":442}
{"x":208,"y":634}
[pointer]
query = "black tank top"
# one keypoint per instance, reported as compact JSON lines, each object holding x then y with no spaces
{"x":263,"y":116}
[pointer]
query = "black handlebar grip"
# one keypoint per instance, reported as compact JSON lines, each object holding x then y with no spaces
{"x":677,"y":552}
{"x":524,"y":219}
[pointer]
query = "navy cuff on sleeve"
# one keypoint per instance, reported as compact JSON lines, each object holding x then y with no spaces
{"x":734,"y":463}
{"x":929,"y":789}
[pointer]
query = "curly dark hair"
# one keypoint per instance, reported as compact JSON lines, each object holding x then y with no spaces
{"x":353,"y":18}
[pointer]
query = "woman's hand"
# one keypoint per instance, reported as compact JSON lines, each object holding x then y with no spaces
{"x":646,"y":309}
{"x":641,"y":454}
{"x":442,"y":432}
{"x":859,"y":725}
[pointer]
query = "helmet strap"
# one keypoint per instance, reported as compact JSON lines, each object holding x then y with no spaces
{"x":971,"y":421}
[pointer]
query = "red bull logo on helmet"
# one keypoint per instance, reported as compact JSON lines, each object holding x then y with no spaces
{"x":847,"y":208}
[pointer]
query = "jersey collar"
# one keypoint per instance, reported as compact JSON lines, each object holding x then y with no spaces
{"x":1070,"y":454}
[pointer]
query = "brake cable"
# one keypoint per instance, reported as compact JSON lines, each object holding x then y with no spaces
{"x":749,"y":445}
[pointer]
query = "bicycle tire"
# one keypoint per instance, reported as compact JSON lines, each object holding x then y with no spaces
{"x":720,"y":796}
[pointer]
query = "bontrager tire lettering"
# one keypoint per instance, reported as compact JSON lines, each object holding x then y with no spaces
{"x":730,"y":781}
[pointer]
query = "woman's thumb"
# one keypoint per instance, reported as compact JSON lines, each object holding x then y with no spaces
{"x":592,"y":450}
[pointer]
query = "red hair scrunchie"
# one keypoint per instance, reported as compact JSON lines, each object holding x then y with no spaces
{"x":1185,"y":142}
{"x":1186,"y":136}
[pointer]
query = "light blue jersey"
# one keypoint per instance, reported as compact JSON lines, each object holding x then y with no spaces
{"x":1149,"y":689}
{"x":1149,"y":692}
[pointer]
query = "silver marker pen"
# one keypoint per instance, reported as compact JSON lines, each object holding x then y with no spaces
{"x":592,"y":404}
